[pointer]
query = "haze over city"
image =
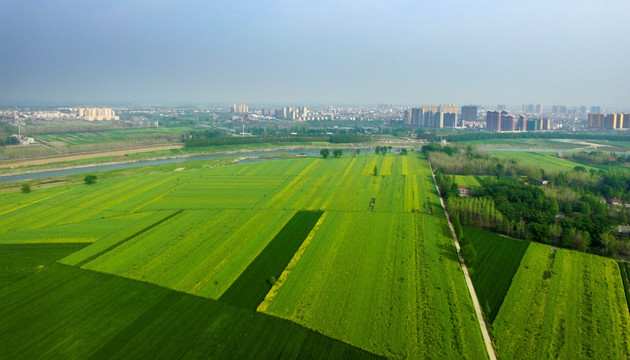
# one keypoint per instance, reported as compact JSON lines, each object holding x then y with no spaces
{"x":315,"y":52}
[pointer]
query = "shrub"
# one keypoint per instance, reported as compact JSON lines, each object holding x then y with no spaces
{"x":90,"y":179}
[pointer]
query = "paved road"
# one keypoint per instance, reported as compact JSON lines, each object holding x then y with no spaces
{"x":471,"y":288}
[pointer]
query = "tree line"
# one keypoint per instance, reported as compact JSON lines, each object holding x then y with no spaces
{"x":570,"y":210}
{"x":201,"y":140}
{"x":472,"y":136}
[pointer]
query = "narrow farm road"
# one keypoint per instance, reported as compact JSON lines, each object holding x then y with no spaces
{"x":471,"y":288}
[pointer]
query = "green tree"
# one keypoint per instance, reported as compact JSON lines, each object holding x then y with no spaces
{"x":90,"y":179}
{"x":26,"y":188}
{"x":375,"y":170}
{"x":324,"y":153}
{"x":469,"y":253}
{"x":458,"y":227}
{"x":610,"y":243}
{"x":357,"y":152}
{"x":337,"y":152}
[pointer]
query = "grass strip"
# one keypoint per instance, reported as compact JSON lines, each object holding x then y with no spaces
{"x":623,"y":266}
{"x":87,"y":260}
{"x":251,"y":287}
{"x":298,"y":254}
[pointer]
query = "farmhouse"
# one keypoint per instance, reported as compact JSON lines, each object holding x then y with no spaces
{"x":615,"y":201}
{"x":463,"y":191}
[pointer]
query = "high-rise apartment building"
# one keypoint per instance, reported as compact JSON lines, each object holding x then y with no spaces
{"x":469,"y":113}
{"x":97,"y":114}
{"x":240,"y":108}
{"x":448,"y":114}
{"x":407,"y":117}
{"x":302,"y":112}
{"x":431,"y":116}
{"x":493,"y":121}
{"x":532,"y":125}
{"x":521,"y":124}
{"x":559,"y":109}
{"x":508,"y":122}
{"x":595,"y":120}
{"x":544,"y":124}
{"x":290,"y":113}
{"x":416,"y":117}
{"x":596,"y":109}
{"x":609,"y":121}
{"x":501,"y":107}
{"x":532,"y":108}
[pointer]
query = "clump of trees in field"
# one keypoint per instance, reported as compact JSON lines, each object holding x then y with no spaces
{"x":571,"y":210}
{"x":324,"y":153}
{"x":382,"y":149}
{"x":5,"y":134}
{"x":25,"y":188}
{"x":90,"y":179}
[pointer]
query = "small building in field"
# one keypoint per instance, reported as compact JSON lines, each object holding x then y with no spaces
{"x":615,"y":201}
{"x":463,"y":191}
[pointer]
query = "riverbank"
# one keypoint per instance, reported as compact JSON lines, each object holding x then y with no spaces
{"x":144,"y":154}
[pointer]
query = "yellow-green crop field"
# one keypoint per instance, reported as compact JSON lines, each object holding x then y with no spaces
{"x":563,"y":304}
{"x":353,"y":264}
{"x":378,"y":271}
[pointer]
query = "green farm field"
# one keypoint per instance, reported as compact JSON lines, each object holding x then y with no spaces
{"x":339,"y":262}
{"x":498,"y":258}
{"x":401,"y":295}
{"x":117,"y":135}
{"x":545,"y":160}
{"x":18,"y":261}
{"x":563,"y":304}
{"x":64,"y":312}
{"x":469,"y":181}
{"x":525,"y":143}
{"x":200,"y":231}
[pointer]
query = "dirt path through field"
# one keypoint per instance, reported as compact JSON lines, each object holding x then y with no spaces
{"x":469,"y":283}
{"x":41,"y":161}
{"x":587,"y":145}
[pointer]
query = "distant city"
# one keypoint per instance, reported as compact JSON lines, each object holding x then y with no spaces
{"x":530,"y":117}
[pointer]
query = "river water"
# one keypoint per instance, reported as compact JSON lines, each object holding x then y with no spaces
{"x":95,"y":168}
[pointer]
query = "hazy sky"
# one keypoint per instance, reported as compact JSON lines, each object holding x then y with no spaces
{"x":569,"y":52}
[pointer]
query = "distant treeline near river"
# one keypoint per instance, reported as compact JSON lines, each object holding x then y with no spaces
{"x":235,"y":140}
{"x":535,"y":135}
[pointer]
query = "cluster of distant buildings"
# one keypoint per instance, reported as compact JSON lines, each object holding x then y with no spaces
{"x":499,"y":121}
{"x":300,"y":113}
{"x":433,"y":116}
{"x":87,"y":114}
{"x":96,"y":114}
{"x":619,"y":121}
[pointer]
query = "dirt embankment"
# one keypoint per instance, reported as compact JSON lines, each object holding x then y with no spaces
{"x":48,"y":160}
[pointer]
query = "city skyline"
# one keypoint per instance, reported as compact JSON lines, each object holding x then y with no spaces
{"x":307,"y":52}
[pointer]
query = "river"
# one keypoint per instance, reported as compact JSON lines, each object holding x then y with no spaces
{"x":85,"y":169}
